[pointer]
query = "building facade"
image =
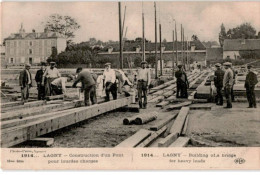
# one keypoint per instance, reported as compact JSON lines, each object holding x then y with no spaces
{"x":32,"y":47}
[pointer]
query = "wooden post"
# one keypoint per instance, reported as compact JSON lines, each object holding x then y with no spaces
{"x":173,"y":53}
{"x":120,"y":36}
{"x":155,"y":27}
{"x":181,"y":45}
{"x":176,"y":41}
{"x":160,"y":33}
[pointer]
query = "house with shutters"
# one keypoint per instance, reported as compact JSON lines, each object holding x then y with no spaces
{"x":32,"y":47}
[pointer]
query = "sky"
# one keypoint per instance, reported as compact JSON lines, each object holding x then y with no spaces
{"x":100,"y":19}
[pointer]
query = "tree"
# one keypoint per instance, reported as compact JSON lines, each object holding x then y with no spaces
{"x":64,"y":25}
{"x":164,"y":40}
{"x":151,"y":60}
{"x":245,"y":30}
{"x":222,"y":35}
{"x":194,"y":38}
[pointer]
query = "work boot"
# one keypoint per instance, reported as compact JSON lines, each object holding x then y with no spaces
{"x":144,"y":106}
{"x":250,"y":107}
{"x":140,"y":105}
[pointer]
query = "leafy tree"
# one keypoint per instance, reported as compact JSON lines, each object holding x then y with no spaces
{"x":245,"y":30}
{"x":222,"y":35}
{"x":194,"y":38}
{"x":64,"y":25}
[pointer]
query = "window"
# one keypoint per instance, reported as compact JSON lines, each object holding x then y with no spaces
{"x":31,"y":43}
{"x":11,"y":60}
{"x":30,"y":60}
{"x":30,"y":51}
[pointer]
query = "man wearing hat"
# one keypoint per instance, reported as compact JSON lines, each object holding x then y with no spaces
{"x":182,"y":83}
{"x":218,"y":82}
{"x":50,"y":74}
{"x":88,"y":82}
{"x":25,"y":81}
{"x":143,"y":82}
{"x":110,"y":85}
{"x":228,"y":83}
{"x":38,"y":79}
{"x":251,"y":81}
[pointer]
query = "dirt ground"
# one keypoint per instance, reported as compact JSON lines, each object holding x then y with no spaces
{"x":239,"y":126}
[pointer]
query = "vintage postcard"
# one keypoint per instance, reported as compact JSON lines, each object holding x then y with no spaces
{"x":130,"y":85}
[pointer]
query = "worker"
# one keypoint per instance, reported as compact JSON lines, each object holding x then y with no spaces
{"x":58,"y":86}
{"x":120,"y":80}
{"x":143,"y":82}
{"x":251,"y":81}
{"x":50,"y":74}
{"x":25,"y":81}
{"x":110,"y":82}
{"x":218,"y":82}
{"x":182,"y":83}
{"x":38,"y":79}
{"x":234,"y":82}
{"x":88,"y":85}
{"x":228,"y":83}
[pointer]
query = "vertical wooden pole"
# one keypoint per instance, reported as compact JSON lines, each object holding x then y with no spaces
{"x":155,"y":27}
{"x":173,"y":60}
{"x":181,"y":44}
{"x":160,"y":34}
{"x":120,"y":36}
{"x":176,"y":44}
{"x":143,"y":37}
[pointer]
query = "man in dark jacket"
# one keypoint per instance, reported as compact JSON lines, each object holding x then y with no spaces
{"x":38,"y":79}
{"x":182,"y":83}
{"x":25,"y":81}
{"x":218,"y":82}
{"x":88,"y":84}
{"x":251,"y":81}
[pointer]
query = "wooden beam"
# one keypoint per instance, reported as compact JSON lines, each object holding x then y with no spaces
{"x":179,"y":122}
{"x":162,"y":104}
{"x":10,"y":104}
{"x":184,"y":131}
{"x":179,"y":105}
{"x":15,"y":135}
{"x":162,"y":123}
{"x":135,"y":139}
{"x":151,"y":138}
{"x":42,"y":142}
{"x":180,"y":142}
{"x":168,"y":140}
{"x":146,"y":117}
{"x":22,"y":113}
{"x":208,"y":108}
{"x":26,"y":105}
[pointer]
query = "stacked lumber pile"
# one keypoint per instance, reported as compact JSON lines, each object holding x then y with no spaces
{"x":22,"y":122}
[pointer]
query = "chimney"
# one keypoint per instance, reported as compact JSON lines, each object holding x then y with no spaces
{"x":110,"y":49}
{"x":193,"y":47}
{"x":137,"y":49}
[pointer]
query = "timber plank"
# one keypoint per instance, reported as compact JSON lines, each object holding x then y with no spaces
{"x":168,"y":140}
{"x":135,"y":139}
{"x":179,"y":105}
{"x":184,"y":131}
{"x":179,"y":122}
{"x":26,"y":105}
{"x":10,"y":104}
{"x":15,"y":135}
{"x":41,"y":141}
{"x":151,"y":138}
{"x":162,"y":123}
{"x":180,"y":142}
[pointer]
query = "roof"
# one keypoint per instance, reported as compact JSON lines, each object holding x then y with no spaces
{"x":241,"y":44}
{"x":151,"y":46}
{"x":34,"y":35}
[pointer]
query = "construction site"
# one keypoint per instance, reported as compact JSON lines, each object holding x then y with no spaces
{"x":63,"y":121}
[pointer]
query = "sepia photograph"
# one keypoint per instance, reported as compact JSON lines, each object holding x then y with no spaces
{"x":172,"y":81}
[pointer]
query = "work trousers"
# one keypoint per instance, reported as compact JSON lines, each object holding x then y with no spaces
{"x":142,"y":91}
{"x":250,"y":94}
{"x":25,"y":93}
{"x":41,"y":92}
{"x":219,"y":96}
{"x":55,"y":90}
{"x":48,"y":90}
{"x":178,"y":93}
{"x":90,"y":95}
{"x":232,"y":93}
{"x":111,"y":87}
{"x":182,"y":90}
{"x":228,"y":96}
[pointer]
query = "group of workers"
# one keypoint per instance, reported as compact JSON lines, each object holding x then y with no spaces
{"x":49,"y":82}
{"x":226,"y":79}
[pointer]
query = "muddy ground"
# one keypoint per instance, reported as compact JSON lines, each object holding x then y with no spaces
{"x":218,"y":127}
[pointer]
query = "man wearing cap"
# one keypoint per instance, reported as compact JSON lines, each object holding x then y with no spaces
{"x":25,"y":81}
{"x":182,"y":83}
{"x":38,"y":79}
{"x":88,"y":85}
{"x":143,"y":82}
{"x":251,"y":81}
{"x":234,"y":81}
{"x":218,"y":82}
{"x":228,"y":83}
{"x":50,"y":74}
{"x":58,"y":85}
{"x":110,"y":82}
